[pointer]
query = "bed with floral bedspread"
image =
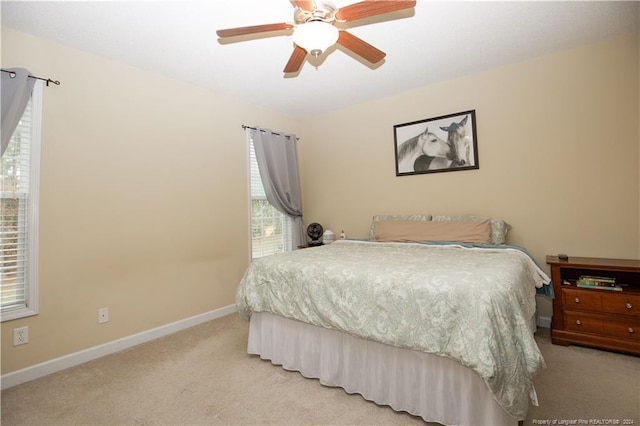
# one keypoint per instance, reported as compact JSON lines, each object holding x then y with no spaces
{"x":470,"y":303}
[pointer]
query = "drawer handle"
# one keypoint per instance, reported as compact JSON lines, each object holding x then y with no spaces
{"x":580,"y":323}
{"x":577,"y":300}
{"x":629,"y":305}
{"x":631,"y":330}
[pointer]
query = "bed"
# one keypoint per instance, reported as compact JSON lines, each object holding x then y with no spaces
{"x":435,"y":319}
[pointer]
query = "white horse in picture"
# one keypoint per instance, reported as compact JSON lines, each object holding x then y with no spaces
{"x":425,"y":147}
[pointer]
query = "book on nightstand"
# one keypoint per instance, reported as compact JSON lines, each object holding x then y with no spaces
{"x":600,"y":283}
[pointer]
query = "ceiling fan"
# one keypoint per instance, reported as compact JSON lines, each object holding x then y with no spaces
{"x":315,"y":30}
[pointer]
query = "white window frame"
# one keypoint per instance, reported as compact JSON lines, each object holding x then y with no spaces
{"x":287,"y":223}
{"x":30,"y":282}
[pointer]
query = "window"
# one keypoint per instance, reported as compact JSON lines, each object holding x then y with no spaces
{"x":19,"y":183}
{"x":270,"y":229}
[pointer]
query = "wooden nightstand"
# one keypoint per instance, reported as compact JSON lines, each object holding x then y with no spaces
{"x":598,"y":318}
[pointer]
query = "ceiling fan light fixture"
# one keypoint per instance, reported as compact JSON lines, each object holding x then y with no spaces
{"x":315,"y":36}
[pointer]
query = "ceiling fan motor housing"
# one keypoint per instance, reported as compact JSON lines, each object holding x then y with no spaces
{"x":324,"y":12}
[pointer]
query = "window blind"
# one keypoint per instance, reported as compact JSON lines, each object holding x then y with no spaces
{"x":19,"y":175}
{"x":270,"y":229}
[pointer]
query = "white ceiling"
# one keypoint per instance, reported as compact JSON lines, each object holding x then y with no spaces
{"x":440,"y":41}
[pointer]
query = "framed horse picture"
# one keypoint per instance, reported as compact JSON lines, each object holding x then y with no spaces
{"x":440,"y":144}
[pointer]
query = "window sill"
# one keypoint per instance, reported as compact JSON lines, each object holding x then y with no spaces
{"x":17,"y":313}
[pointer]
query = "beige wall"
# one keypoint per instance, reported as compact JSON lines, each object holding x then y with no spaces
{"x":558,"y":142}
{"x":143,"y":204}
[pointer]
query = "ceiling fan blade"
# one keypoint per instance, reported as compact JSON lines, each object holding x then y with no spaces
{"x":360,"y":47}
{"x":296,"y":59}
{"x":233,"y":32}
{"x":305,"y":4}
{"x":368,"y":8}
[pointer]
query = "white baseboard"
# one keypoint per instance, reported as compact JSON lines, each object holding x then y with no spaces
{"x":43,"y":369}
{"x":544,"y":322}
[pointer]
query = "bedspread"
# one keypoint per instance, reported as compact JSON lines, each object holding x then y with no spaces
{"x":469,"y":304}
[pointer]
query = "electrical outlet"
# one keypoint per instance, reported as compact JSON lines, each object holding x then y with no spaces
{"x":103,"y":315}
{"x":20,"y":335}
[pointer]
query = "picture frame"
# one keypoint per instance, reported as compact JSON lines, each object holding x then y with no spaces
{"x":446,"y":143}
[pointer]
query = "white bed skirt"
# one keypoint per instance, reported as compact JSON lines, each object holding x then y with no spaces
{"x":435,"y":388}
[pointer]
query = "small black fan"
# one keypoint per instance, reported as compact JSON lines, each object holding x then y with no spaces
{"x":314,"y":231}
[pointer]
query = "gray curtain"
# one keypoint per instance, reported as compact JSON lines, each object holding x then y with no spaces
{"x":16,"y":92}
{"x":277,"y":158}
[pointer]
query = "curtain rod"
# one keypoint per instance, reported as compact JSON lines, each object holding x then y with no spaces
{"x":46,"y":80}
{"x":275,"y":133}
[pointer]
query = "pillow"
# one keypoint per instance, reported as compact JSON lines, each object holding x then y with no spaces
{"x":499,"y":227}
{"x":387,"y":217}
{"x":407,"y":231}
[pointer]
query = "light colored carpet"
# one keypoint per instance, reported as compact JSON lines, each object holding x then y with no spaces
{"x":204,"y":376}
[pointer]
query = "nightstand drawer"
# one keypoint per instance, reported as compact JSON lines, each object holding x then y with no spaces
{"x":587,"y":300}
{"x":582,"y":323}
{"x":621,"y":304}
{"x":624,"y":329}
